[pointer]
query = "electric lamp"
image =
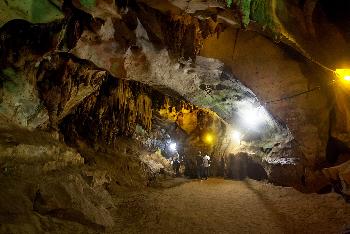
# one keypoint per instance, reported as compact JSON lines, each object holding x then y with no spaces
{"x":172,"y":147}
{"x":236,"y":136}
{"x":251,"y":116}
{"x":209,"y":138}
{"x":343,"y":74}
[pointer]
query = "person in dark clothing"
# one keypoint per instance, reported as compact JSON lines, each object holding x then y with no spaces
{"x":199,"y":165}
{"x":222,"y":167}
{"x":176,"y":166}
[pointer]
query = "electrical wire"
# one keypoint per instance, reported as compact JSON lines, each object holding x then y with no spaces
{"x":294,"y":95}
{"x":299,"y":94}
{"x":305,"y":55}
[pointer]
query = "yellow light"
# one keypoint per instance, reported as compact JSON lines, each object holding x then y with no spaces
{"x":208,"y":138}
{"x":343,"y":74}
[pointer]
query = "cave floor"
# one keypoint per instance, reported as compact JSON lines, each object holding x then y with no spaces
{"x":226,"y":206}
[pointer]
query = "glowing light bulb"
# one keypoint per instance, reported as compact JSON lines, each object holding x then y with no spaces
{"x":252,"y":116}
{"x":236,"y":136}
{"x":343,"y":74}
{"x":172,"y":146}
{"x":208,"y":138}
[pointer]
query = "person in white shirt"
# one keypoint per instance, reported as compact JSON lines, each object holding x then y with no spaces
{"x":206,"y":165}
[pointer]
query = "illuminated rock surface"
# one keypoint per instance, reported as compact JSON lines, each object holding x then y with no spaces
{"x":94,"y":92}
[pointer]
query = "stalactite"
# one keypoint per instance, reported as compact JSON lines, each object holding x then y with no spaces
{"x":123,"y":95}
{"x":165,"y":109}
{"x":133,"y":109}
{"x":144,"y":110}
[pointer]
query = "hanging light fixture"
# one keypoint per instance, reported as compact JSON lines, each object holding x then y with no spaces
{"x":343,"y":74}
{"x":208,"y":138}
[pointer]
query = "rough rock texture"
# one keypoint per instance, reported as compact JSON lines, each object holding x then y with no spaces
{"x":340,"y":122}
{"x":248,"y":49}
{"x":91,"y":106}
{"x":41,"y":11}
{"x":205,"y":84}
{"x":72,"y":199}
{"x":19,"y":99}
{"x":46,"y":187}
{"x":274,"y":73}
{"x":23,"y":152}
{"x":40,"y":173}
{"x":341,"y":172}
{"x":158,"y":43}
{"x":64,"y":83}
{"x":116,"y":78}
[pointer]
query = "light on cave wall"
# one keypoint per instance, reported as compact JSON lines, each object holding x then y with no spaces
{"x":236,"y":137}
{"x":251,"y":116}
{"x":343,"y":74}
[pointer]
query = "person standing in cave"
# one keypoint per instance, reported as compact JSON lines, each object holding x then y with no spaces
{"x":206,"y":165}
{"x":177,"y":166}
{"x":176,"y":163}
{"x":199,"y":165}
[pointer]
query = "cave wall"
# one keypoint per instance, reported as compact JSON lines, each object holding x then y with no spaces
{"x":274,"y":72}
{"x":80,"y":100}
{"x":340,"y":118}
{"x":41,"y":11}
{"x":170,"y":46}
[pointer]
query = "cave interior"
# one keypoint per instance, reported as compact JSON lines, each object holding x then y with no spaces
{"x":105,"y":103}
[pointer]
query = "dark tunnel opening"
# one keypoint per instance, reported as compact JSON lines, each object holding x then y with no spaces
{"x":336,"y":152}
{"x":242,"y":166}
{"x":337,"y":12}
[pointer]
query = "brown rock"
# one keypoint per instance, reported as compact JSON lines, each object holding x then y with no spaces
{"x":72,"y":199}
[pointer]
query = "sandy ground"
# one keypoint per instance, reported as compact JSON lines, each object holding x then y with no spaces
{"x":226,"y":206}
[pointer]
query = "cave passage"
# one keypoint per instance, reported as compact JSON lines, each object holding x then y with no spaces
{"x":174,"y":116}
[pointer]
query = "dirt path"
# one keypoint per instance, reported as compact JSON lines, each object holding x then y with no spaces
{"x":225,"y":206}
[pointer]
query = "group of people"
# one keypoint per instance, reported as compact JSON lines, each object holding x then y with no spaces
{"x":203,"y":164}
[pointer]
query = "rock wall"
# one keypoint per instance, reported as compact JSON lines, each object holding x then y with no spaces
{"x":61,"y":74}
{"x":275,"y":73}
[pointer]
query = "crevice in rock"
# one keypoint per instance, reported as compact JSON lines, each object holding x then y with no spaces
{"x":337,"y":151}
{"x":242,"y":166}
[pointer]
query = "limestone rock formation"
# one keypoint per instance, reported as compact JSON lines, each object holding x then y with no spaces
{"x":92,"y":93}
{"x":72,"y":199}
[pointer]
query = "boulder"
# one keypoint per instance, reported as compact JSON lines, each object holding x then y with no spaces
{"x":71,"y":198}
{"x":341,"y":172}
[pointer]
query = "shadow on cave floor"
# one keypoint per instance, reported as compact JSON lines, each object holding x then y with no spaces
{"x":170,"y":182}
{"x":269,"y":205}
{"x":226,"y":206}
